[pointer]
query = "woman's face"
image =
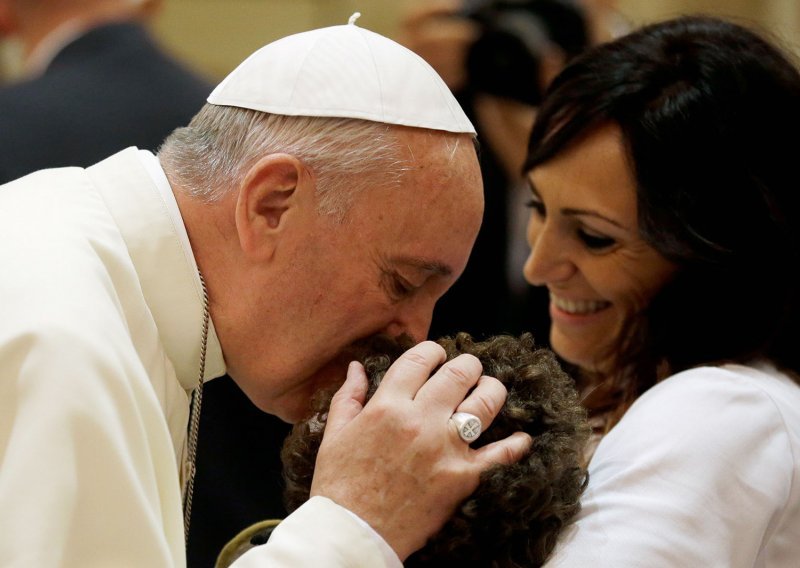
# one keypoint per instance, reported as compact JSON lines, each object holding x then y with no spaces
{"x":586,"y":248}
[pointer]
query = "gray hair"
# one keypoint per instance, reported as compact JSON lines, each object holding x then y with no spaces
{"x":211,"y":156}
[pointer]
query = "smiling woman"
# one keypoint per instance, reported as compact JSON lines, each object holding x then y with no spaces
{"x":665,"y":224}
{"x":588,"y":250}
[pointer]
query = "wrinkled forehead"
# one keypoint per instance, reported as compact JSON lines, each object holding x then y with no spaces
{"x":444,"y":171}
{"x":440,"y":180}
{"x":453,"y":152}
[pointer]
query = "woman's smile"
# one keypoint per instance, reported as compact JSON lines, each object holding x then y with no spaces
{"x":577,"y":307}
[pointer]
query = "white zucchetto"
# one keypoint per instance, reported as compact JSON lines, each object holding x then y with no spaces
{"x":346,"y":72}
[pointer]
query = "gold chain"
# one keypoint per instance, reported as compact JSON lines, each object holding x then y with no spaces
{"x":194,"y":419}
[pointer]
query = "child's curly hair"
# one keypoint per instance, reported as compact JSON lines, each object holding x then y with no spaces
{"x":515,"y":515}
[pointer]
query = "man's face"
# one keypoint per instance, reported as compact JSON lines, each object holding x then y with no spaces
{"x":380,"y":271}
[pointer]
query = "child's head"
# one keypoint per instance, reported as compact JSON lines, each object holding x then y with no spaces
{"x":517,"y":511}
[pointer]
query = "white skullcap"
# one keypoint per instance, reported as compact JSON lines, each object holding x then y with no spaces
{"x":347,"y":72}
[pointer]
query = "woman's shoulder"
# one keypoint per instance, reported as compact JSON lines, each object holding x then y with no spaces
{"x":758,"y":374}
{"x":728,"y":389}
{"x":702,"y":470}
{"x":728,"y":409}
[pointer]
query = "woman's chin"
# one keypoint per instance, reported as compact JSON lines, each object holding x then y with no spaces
{"x":583,"y":355}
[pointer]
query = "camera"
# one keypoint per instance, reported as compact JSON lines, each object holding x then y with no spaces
{"x":506,"y":58}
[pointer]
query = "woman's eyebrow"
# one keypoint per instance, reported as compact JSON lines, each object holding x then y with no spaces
{"x":589,"y":213}
{"x":575,"y":211}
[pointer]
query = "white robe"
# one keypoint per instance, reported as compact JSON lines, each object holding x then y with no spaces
{"x":100,"y":325}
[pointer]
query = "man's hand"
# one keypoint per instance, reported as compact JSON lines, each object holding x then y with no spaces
{"x":398,"y":462}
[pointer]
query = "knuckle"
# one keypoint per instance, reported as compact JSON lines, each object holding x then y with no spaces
{"x":339,"y":395}
{"x":425,"y":354}
{"x":508,"y":455}
{"x":491,"y":387}
{"x":393,"y":419}
{"x":493,"y":383}
{"x":415,"y":358}
{"x":409,"y":429}
{"x":463,"y":369}
{"x":382,"y":411}
{"x":339,"y":399}
{"x":513,"y":449}
{"x":474,"y":361}
{"x":485,"y":405}
{"x":458,"y":375}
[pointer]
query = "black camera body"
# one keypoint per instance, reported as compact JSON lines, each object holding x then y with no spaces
{"x":506,"y":58}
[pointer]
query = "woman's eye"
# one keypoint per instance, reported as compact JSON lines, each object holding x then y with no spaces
{"x":595,"y":242}
{"x":537,"y":206}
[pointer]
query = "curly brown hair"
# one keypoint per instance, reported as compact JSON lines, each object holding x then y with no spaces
{"x":515,"y":515}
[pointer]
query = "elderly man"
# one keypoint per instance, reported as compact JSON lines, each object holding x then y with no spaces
{"x":329,"y":191}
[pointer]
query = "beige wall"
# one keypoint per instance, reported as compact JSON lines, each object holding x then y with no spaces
{"x":214,"y":35}
{"x":778,"y":18}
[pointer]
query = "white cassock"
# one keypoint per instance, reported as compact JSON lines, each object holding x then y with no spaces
{"x":100,"y":331}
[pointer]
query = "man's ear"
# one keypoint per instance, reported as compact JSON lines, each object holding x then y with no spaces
{"x":267,"y":200}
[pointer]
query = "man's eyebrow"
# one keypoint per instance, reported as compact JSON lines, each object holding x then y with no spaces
{"x":577,"y":211}
{"x":432,"y":266}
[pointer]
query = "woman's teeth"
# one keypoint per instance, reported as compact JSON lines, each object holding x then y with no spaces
{"x":578,"y":306}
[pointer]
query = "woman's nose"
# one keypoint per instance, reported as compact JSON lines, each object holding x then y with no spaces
{"x":548,"y":261}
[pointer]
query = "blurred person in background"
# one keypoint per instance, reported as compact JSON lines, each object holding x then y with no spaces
{"x":499,"y":57}
{"x":606,"y":21}
{"x":93,"y":81}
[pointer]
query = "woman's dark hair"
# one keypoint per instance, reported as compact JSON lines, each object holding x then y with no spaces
{"x":514,"y":516}
{"x":710,"y":115}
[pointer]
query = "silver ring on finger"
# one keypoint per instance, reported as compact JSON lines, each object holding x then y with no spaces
{"x":469,"y":426}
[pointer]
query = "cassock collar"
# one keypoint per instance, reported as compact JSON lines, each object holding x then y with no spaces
{"x":137,"y":193}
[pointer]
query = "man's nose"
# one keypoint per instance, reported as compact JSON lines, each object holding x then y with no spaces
{"x":414,"y":320}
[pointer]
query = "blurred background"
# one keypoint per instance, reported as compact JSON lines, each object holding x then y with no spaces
{"x":214,"y":35}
